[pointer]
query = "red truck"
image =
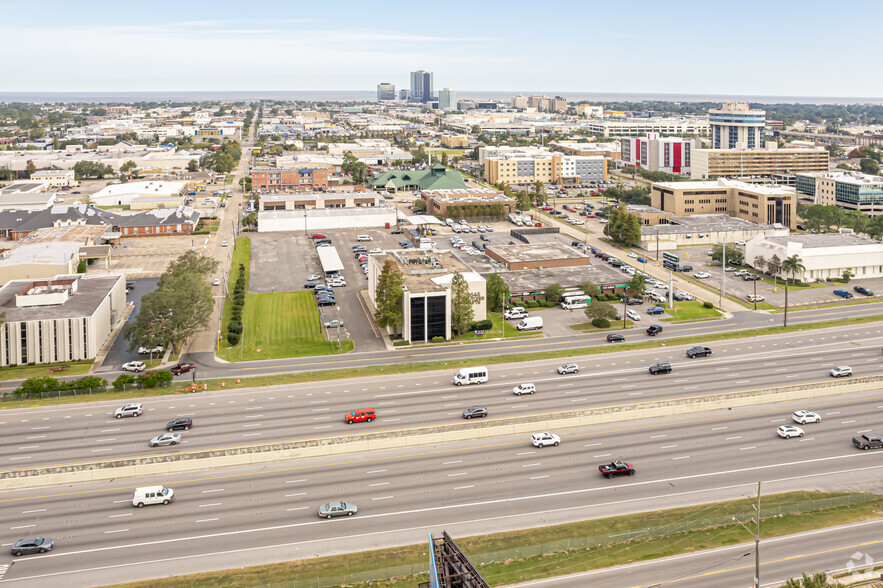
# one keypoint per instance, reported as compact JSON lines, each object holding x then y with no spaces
{"x":616,"y":468}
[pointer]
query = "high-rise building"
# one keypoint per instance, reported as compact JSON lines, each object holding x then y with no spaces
{"x":519,"y":101}
{"x":447,"y":99}
{"x":404,"y":94}
{"x":736,"y":126}
{"x":386,"y":91}
{"x":666,"y":154}
{"x":421,"y":86}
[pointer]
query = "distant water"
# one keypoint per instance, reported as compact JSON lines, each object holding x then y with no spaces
{"x":369,"y":96}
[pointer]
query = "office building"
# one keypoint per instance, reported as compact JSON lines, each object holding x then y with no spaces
{"x":273,"y":179}
{"x":404,"y":94}
{"x":421,"y":86}
{"x":64,"y":318}
{"x":846,"y":189}
{"x":641,"y":127}
{"x":824,"y":256}
{"x":766,"y":205}
{"x":548,"y":167}
{"x":667,"y":154}
{"x":736,"y":126}
{"x":518,"y":101}
{"x":447,"y":99}
{"x":612,"y":150}
{"x":426,"y":291}
{"x":386,"y":91}
{"x":589,"y":111}
{"x":56,"y":178}
{"x":737,"y":163}
{"x":467,"y":203}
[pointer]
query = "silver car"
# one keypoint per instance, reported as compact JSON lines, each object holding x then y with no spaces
{"x":337,"y":509}
{"x":166,"y":439}
{"x":132,"y":410}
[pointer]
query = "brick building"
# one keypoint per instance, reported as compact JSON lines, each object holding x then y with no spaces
{"x":265,"y":179}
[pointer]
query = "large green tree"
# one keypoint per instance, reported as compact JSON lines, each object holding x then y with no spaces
{"x":192,"y":165}
{"x":179,"y":307}
{"x":734,"y":253}
{"x":497,"y":292}
{"x":598,"y":309}
{"x":388,"y":296}
{"x":91,"y":169}
{"x":461,"y":304}
{"x":127,"y":169}
{"x":554,"y":291}
{"x":623,"y":227}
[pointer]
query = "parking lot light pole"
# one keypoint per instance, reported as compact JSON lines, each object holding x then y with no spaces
{"x":503,"y":316}
{"x":338,"y":328}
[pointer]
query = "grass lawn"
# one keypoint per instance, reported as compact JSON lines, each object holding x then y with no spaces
{"x":780,"y":284}
{"x":278,"y":325}
{"x":496,"y":331}
{"x":518,"y":564}
{"x":23,"y":372}
{"x":588,"y":327}
{"x":691,"y":309}
{"x":766,"y":306}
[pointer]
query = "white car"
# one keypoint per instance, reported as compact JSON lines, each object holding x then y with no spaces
{"x":633,"y":255}
{"x":216,"y":282}
{"x":130,"y":410}
{"x":755,"y":298}
{"x":568,"y":368}
{"x":841,"y":371}
{"x":633,"y":315}
{"x":806,"y":416}
{"x":524,"y":389}
{"x":166,"y":439}
{"x":788,"y":431}
{"x":701,"y":275}
{"x":133,"y":366}
{"x":376,"y":250}
{"x":364,"y":238}
{"x":333,"y":324}
{"x":604,"y":221}
{"x":336,"y":283}
{"x":148,"y":351}
{"x":543,"y":439}
{"x":313,"y":277}
{"x":223,"y":243}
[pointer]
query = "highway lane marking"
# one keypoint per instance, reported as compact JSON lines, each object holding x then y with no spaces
{"x":110,"y":430}
{"x":297,"y":508}
{"x":623,"y":430}
{"x":254,"y":416}
{"x":116,"y":516}
{"x":293,"y":495}
{"x":378,"y":484}
{"x":865,"y":431}
{"x":539,"y":477}
{"x":747,"y":448}
{"x":603,"y":455}
{"x":657,"y":436}
{"x":21,"y":527}
{"x":778,"y":420}
{"x":208,"y":520}
{"x":464,"y":487}
{"x":21,"y":457}
{"x":252,"y":425}
{"x":592,"y":444}
{"x":116,"y":531}
{"x":531,"y":465}
{"x":28,"y":447}
{"x":35,"y":510}
{"x":846,"y":422}
{"x":452,"y":462}
{"x":458,"y":474}
{"x":322,"y":427}
{"x":718,"y":428}
{"x":257,"y":434}
{"x":35,"y":436}
{"x":681,"y":457}
{"x":103,"y":440}
{"x":526,"y":453}
{"x":668,"y":446}
{"x":102,"y":449}
{"x":210,"y":491}
{"x":295,"y":481}
{"x":383,"y":498}
{"x":374,"y":472}
{"x":38,"y":428}
{"x":211,"y":504}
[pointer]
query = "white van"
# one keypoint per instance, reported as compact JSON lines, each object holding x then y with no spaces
{"x":363,"y":238}
{"x":152,"y":495}
{"x":471,"y":375}
{"x":531,"y":323}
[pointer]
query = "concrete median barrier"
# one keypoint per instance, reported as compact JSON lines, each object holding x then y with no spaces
{"x":189,"y":461}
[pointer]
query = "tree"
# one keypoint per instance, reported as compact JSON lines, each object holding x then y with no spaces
{"x":869,"y":166}
{"x":819,"y":580}
{"x":461,"y":304}
{"x":419,"y":204}
{"x":444,"y":158}
{"x":589,"y":289}
{"x":250,"y":219}
{"x":734,"y":253}
{"x":554,"y":292}
{"x":848,"y":274}
{"x":388,"y":297}
{"x":91,"y":169}
{"x":791,"y":265}
{"x":623,"y":227}
{"x":37,"y":133}
{"x":192,"y":165}
{"x":126,"y":169}
{"x":775,"y":266}
{"x":598,"y":309}
{"x":30,"y":167}
{"x":497,"y":292}
{"x":179,"y":307}
{"x":538,"y":196}
{"x":522,"y":200}
{"x":420,"y":156}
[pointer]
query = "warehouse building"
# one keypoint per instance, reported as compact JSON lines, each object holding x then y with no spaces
{"x":823,"y":256}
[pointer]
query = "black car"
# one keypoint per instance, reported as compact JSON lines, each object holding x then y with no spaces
{"x":654,"y":330}
{"x":396,"y":232}
{"x":863,"y":290}
{"x":474,"y":412}
{"x":310,"y":285}
{"x":660,"y":368}
{"x":614,"y":337}
{"x":595,"y":250}
{"x":577,"y":244}
{"x":698,"y":351}
{"x":686,"y":268}
{"x":326,"y":302}
{"x":634,"y":301}
{"x":180,"y":423}
{"x":484,"y":238}
{"x":130,"y":285}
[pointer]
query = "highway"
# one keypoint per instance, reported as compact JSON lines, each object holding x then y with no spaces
{"x":87,"y":432}
{"x":834,"y":550}
{"x":247,"y":516}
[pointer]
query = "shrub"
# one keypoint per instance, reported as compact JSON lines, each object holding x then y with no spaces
{"x":154,"y":379}
{"x":530,"y":303}
{"x":548,"y":303}
{"x":38,"y":385}
{"x":484,"y":325}
{"x":81,"y":267}
{"x":438,"y":339}
{"x":236,"y":315}
{"x":234,"y":327}
{"x":708,"y":304}
{"x":85,"y":383}
{"x":123,"y":381}
{"x":601,"y":323}
{"x":233,"y":338}
{"x":401,"y":343}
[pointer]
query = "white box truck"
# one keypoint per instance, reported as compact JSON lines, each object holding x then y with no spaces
{"x":470,"y":375}
{"x":531,"y":323}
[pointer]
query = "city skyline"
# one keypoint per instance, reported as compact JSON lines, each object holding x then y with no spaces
{"x":217,"y":46}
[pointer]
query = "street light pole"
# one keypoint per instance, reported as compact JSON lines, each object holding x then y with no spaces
{"x":756,"y":533}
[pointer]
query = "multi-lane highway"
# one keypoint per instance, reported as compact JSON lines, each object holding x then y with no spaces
{"x":85,"y":432}
{"x":246,"y":516}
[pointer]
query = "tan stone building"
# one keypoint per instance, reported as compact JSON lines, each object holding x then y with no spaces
{"x":454,"y":141}
{"x":719,"y":163}
{"x":759,"y":204}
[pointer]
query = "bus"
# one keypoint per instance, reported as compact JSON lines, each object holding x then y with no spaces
{"x":572,"y":301}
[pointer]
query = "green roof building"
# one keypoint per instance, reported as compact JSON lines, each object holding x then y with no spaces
{"x":437,"y":178}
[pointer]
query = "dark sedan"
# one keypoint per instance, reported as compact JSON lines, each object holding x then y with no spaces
{"x":614,"y":337}
{"x":474,"y":412}
{"x":863,"y":290}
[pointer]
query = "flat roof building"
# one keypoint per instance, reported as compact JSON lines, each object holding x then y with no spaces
{"x":547,"y":167}
{"x":640,"y":127}
{"x":736,"y":126}
{"x":540,"y":255}
{"x":846,"y":189}
{"x":60,"y":178}
{"x":720,"y":163}
{"x":824,"y":256}
{"x":703,"y":229}
{"x":468,"y":203}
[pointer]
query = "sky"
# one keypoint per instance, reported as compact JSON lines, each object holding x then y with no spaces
{"x":770,"y":48}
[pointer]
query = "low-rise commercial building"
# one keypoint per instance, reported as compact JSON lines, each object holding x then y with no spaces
{"x":266,"y":179}
{"x":846,"y":189}
{"x":61,"y":178}
{"x":649,"y":215}
{"x":426,"y":294}
{"x":545,"y":254}
{"x":26,"y":196}
{"x":17,"y":225}
{"x":610,"y":150}
{"x":64,"y":318}
{"x":326,"y":219}
{"x":751,"y":202}
{"x":548,"y":167}
{"x":639,"y":127}
{"x":436,"y":178}
{"x":468,"y":203}
{"x":666,"y":154}
{"x":823,"y":256}
{"x":159,"y":193}
{"x":703,"y":229}
{"x":319,"y":200}
{"x":48,"y":252}
{"x":454,"y":141}
{"x":722,"y":163}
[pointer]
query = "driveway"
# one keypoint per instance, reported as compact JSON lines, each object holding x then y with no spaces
{"x":119,"y":350}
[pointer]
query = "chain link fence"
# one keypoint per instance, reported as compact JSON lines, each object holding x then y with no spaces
{"x":80,"y":392}
{"x":585,"y":542}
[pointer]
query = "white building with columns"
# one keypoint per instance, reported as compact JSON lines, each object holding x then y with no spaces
{"x":824,"y":256}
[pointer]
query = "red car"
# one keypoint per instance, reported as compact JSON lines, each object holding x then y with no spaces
{"x":319,"y":236}
{"x":547,"y":207}
{"x":616,"y":468}
{"x":181,"y":368}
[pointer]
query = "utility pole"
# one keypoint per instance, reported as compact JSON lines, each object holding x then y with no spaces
{"x":756,"y":533}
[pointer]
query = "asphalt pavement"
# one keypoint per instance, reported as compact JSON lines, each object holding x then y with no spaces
{"x":252,"y":515}
{"x":85,"y":432}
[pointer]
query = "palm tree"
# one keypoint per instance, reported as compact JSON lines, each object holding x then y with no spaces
{"x":791,"y":265}
{"x":775,"y":266}
{"x":759,"y":264}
